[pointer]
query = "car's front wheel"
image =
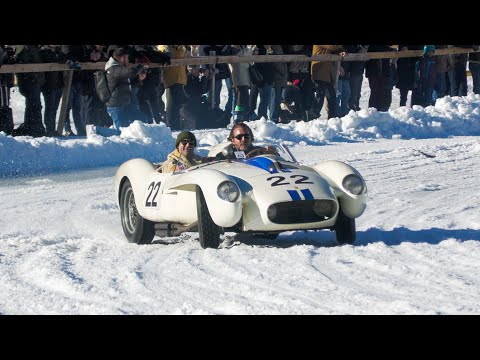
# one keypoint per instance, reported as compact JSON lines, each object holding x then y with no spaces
{"x":137,"y":229}
{"x":345,"y":229}
{"x":208,"y":231}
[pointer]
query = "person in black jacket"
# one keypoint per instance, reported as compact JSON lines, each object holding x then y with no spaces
{"x":406,"y":72}
{"x":93,"y":110}
{"x":474,"y":67}
{"x":120,"y":78}
{"x":52,"y":89}
{"x":30,"y":85}
{"x":75,"y":54}
{"x":356,"y":76}
{"x":380,"y":74}
{"x":459,"y":86}
{"x":152,"y":89}
{"x":7,"y":55}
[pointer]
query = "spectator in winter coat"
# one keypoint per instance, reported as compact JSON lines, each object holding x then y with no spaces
{"x":30,"y":86}
{"x":291,"y":105}
{"x":265,"y":87}
{"x":459,"y":87}
{"x":280,"y":77}
{"x":120,"y":78}
{"x":152,"y":89}
{"x":94,"y":111}
{"x":222,"y":72}
{"x":406,"y":72}
{"x":52,"y":89}
{"x":356,"y":76}
{"x":174,"y":79}
{"x":301,"y":71}
{"x":7,"y":56}
{"x":194,"y":110}
{"x":444,"y":64}
{"x":474,"y":67}
{"x":380,"y":74}
{"x":241,"y":82}
{"x":324,"y":75}
{"x":425,"y":78}
{"x":74,"y":55}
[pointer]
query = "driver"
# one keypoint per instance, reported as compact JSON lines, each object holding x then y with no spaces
{"x":241,"y":137}
{"x":183,"y":156}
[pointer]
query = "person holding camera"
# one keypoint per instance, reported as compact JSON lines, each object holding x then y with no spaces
{"x":120,"y":78}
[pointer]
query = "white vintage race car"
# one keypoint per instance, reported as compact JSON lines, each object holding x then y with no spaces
{"x":263,"y":195}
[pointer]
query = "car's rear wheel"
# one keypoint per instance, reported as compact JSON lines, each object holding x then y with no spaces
{"x":136,"y":229}
{"x":209,"y":231}
{"x":345,"y":229}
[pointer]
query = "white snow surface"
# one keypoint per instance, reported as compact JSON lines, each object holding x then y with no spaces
{"x":62,"y":248}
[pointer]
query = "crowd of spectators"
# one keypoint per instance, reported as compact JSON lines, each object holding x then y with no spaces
{"x":278,"y":91}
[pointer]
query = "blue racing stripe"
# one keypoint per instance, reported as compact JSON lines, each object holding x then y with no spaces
{"x":307,"y":194}
{"x":294,"y":195}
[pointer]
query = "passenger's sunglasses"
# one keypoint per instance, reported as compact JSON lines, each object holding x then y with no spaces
{"x":185,"y":142}
{"x":240,"y":136}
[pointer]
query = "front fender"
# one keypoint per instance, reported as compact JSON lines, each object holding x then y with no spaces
{"x":136,"y":170}
{"x":334,"y":172}
{"x":223,"y":213}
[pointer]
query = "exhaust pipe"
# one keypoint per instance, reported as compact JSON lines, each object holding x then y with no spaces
{"x":170,"y":230}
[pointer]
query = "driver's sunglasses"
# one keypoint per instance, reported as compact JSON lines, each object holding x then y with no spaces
{"x":191,"y":143}
{"x":240,"y":136}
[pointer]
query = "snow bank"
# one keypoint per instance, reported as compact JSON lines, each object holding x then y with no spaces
{"x":450,"y":116}
{"x":26,"y":155}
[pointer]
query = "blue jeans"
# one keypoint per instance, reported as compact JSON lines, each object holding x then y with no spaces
{"x":475,"y":70}
{"x":275,"y":100}
{"x":123,"y":116}
{"x":265,"y":97}
{"x":343,"y":96}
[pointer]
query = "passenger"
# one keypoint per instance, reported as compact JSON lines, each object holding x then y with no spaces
{"x":183,"y":156}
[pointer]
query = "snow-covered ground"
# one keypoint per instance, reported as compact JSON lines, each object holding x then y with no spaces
{"x":62,"y":249}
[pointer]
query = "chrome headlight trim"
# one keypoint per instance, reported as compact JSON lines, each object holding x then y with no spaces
{"x":228,"y":191}
{"x":354,"y":184}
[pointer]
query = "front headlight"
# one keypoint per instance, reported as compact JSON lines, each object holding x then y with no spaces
{"x":228,"y":191}
{"x":353,"y":184}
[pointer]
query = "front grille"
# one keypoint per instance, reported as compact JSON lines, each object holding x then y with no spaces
{"x":300,"y":212}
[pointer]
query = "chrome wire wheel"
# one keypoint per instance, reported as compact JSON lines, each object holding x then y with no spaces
{"x":130,"y":212}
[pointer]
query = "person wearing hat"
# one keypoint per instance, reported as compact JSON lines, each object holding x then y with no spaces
{"x":183,"y":156}
{"x":425,"y":78}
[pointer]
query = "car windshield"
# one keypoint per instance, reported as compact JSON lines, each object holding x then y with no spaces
{"x":284,"y":152}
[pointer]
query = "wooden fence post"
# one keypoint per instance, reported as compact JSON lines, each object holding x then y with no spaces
{"x":67,"y":79}
{"x":213,"y":53}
